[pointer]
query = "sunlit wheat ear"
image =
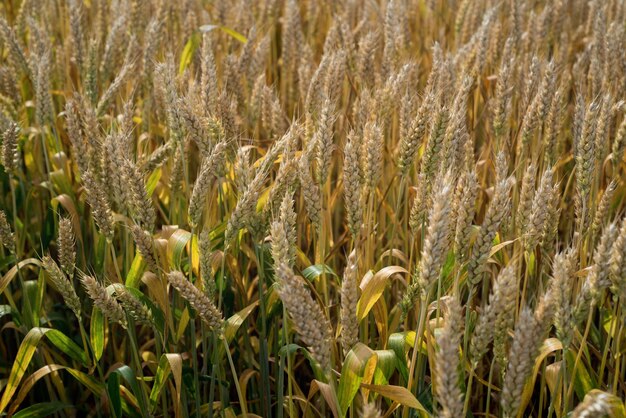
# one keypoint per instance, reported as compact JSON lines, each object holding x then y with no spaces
{"x":585,"y":162}
{"x":618,"y":263}
{"x":10,"y":156}
{"x":198,"y":300}
{"x":415,"y":135}
{"x":16,"y":53}
{"x":246,"y":206}
{"x":372,"y":155}
{"x":206,"y":272}
{"x":62,"y":284}
{"x":498,"y":209}
{"x":447,"y":362}
{"x":310,"y":192}
{"x":349,"y":299}
{"x":436,"y":245}
{"x":528,"y":338}
{"x":563,"y":269}
{"x":619,"y":144}
{"x":103,"y":301}
{"x":283,"y":234}
{"x":100,"y":206}
{"x":539,"y":213}
{"x":140,"y":203}
{"x":467,"y":192}
{"x":527,"y":192}
{"x":502,"y":301}
{"x":604,"y":206}
{"x":352,"y":187}
{"x":67,"y":246}
{"x":323,"y":137}
{"x":7,"y":239}
{"x":311,"y":323}
{"x":208,"y":171}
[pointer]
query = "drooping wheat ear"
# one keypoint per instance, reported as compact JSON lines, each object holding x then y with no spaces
{"x":467,"y":191}
{"x":501,"y":302}
{"x":447,"y":363}
{"x":201,"y":187}
{"x":370,"y":411}
{"x":103,"y":300}
{"x":311,"y":324}
{"x":67,"y":247}
{"x":415,"y":135}
{"x":349,"y":299}
{"x":7,"y":239}
{"x":310,"y":192}
{"x":10,"y":156}
{"x":352,"y":187}
{"x":524,"y":207}
{"x":563,"y":269}
{"x":603,"y":208}
{"x":133,"y":307}
{"x":539,"y":213}
{"x":99,"y":203}
{"x":199,"y":301}
{"x":16,"y":52}
{"x":619,"y":144}
{"x":246,"y":206}
{"x":436,"y":245}
{"x":140,"y":203}
{"x":497,"y":211}
{"x":206,"y":271}
{"x":373,"y":142}
{"x":595,"y":404}
{"x":323,"y":138}
{"x":62,"y":284}
{"x":143,"y":239}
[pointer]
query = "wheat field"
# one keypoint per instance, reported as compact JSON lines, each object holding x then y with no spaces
{"x":313,"y":208}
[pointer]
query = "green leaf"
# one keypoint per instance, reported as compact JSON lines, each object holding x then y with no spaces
{"x":374,"y":289}
{"x":133,"y":279}
{"x":175,"y":247}
{"x":398,"y":394}
{"x":25,"y":354}
{"x":10,"y":275}
{"x":234,"y":322}
{"x":96,"y":333}
{"x":228,"y":31}
{"x":313,"y":272}
{"x":358,"y":360}
{"x":113,"y":389}
{"x":153,"y":181}
{"x":173,"y":363}
{"x":129,"y":376}
{"x":44,"y":409}
{"x":190,"y":48}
